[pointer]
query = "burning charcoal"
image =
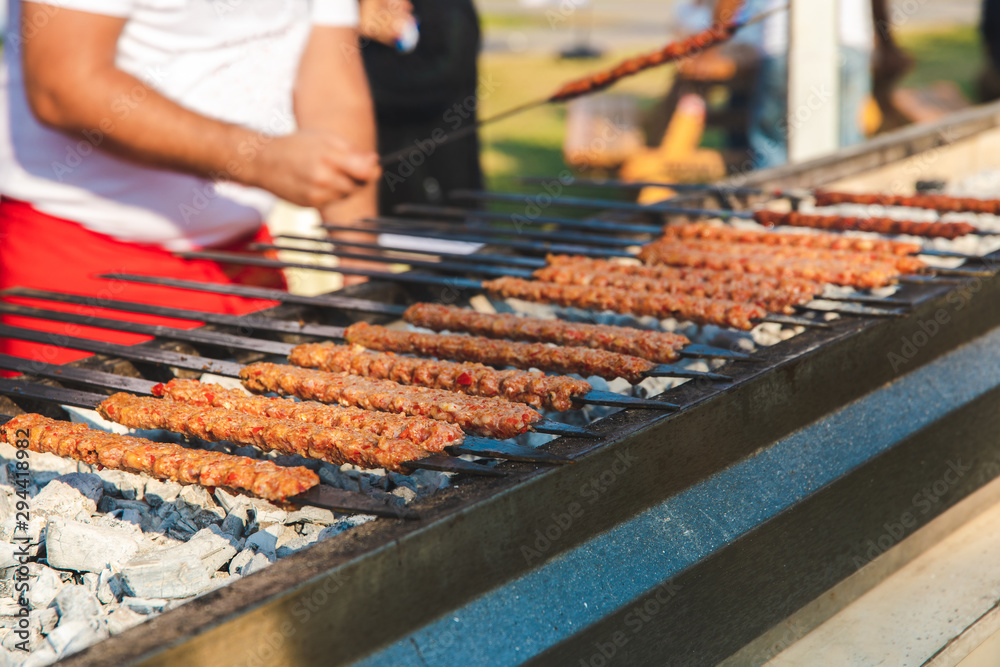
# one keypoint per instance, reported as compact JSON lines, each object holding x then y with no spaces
{"x":122,"y":619}
{"x":239,"y":561}
{"x":404,"y":492}
{"x":296,"y":543}
{"x":344,"y":524}
{"x":45,"y":620}
{"x":110,"y":587}
{"x":76,"y":603}
{"x":122,"y":484}
{"x":170,"y":575}
{"x":74,"y":636}
{"x":158,"y":492}
{"x":228,"y":501}
{"x":265,"y":540}
{"x":7,"y":558}
{"x":90,"y":580}
{"x":266,"y":514}
{"x":256,"y":564}
{"x":182,"y":530}
{"x":214,"y":547}
{"x":107,"y":505}
{"x":6,"y":508}
{"x":236,"y":521}
{"x":68,"y":495}
{"x":144,"y":606}
{"x":34,"y":639}
{"x":197,"y":497}
{"x":132,"y":516}
{"x":70,"y":545}
{"x":43,"y":589}
{"x":309,"y":514}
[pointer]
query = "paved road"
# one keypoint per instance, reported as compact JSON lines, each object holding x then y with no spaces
{"x":620,"y":24}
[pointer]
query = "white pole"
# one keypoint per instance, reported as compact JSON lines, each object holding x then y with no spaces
{"x":813,"y":78}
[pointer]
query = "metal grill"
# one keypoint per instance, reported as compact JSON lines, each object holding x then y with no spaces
{"x":480,"y":536}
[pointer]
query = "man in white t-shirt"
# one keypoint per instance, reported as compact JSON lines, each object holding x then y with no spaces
{"x":134,"y":128}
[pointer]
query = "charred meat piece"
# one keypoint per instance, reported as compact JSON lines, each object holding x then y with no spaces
{"x":902,"y":263}
{"x":724,"y":258}
{"x":777,"y":295}
{"x":657,"y":346}
{"x":160,"y":460}
{"x":672,"y":52}
{"x":707,"y":232}
{"x":695,"y":309}
{"x":536,"y":389}
{"x":556,"y":359}
{"x":881,"y":225}
{"x":941,"y":203}
{"x":332,"y":445}
{"x":490,"y":417}
{"x":429,"y":434}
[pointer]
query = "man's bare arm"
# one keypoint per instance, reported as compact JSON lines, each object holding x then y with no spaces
{"x":331,"y":94}
{"x":73,"y":86}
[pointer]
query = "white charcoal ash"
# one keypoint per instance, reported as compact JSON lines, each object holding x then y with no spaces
{"x":110,"y":549}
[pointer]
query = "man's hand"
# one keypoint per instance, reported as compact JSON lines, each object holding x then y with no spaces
{"x":385,"y":20}
{"x":72,"y":84}
{"x":312,"y":168}
{"x":331,"y":95}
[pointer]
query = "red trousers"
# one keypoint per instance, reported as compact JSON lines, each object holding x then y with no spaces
{"x":44,"y":252}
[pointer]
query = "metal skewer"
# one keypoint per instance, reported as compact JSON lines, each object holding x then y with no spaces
{"x":451,"y":266}
{"x":612,"y":183}
{"x":463,"y":268}
{"x":246,"y":291}
{"x":587,"y":251}
{"x":89,"y":400}
{"x":251,"y":322}
{"x":712,"y":188}
{"x":402,"y":153}
{"x":657,"y":208}
{"x":328,"y":497}
{"x":217,"y":339}
{"x":484,"y":237}
{"x":348,"y":303}
{"x":538,"y":263}
{"x":478,"y":257}
{"x":142,"y":353}
{"x":450,"y":213}
{"x":476,"y":446}
{"x":406,"y":225}
{"x":591,"y":224}
{"x":410,"y":277}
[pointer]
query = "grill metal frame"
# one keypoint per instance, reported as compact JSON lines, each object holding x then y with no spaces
{"x":342,"y":599}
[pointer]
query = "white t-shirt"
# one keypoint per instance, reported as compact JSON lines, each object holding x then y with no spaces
{"x":232,"y":60}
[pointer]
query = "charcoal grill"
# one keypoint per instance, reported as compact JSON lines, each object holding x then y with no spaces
{"x":681,"y":537}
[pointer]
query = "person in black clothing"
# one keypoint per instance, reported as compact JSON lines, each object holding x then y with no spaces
{"x":422,"y":95}
{"x":989,"y":28}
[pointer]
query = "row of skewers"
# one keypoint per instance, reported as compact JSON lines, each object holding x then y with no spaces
{"x":703,"y":273}
{"x":386,"y":425}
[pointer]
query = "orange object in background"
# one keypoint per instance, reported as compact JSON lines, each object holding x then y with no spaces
{"x":44,"y":252}
{"x":678,"y":157}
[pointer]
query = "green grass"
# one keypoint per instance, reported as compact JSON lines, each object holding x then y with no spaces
{"x":512,"y":21}
{"x":952,"y":54}
{"x":531,"y":143}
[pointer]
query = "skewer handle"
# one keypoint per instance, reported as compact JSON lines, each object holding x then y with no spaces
{"x":339,"y":500}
